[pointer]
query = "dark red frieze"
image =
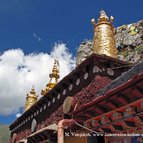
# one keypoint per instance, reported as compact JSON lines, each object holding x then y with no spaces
{"x":55,"y":116}
{"x":89,"y":93}
{"x":84,"y":96}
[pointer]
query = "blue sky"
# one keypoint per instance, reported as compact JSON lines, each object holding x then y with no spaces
{"x":57,"y":20}
{"x":36,"y":25}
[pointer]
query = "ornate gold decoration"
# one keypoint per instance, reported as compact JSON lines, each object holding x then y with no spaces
{"x":104,"y":41}
{"x":31,"y":99}
{"x":54,"y":76}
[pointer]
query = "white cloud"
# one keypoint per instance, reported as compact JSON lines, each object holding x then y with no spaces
{"x":37,"y":37}
{"x":18,"y":115}
{"x":18,"y":72}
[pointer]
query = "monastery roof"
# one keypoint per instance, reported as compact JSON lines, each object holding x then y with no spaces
{"x":56,"y":96}
{"x":124,"y":90}
{"x":125,"y":77}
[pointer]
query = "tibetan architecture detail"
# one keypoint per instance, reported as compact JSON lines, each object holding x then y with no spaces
{"x":31,"y":99}
{"x":104,"y":41}
{"x":54,"y":76}
{"x":101,"y":96}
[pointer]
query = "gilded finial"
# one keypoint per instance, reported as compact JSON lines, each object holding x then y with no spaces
{"x":104,"y":41}
{"x":31,"y":99}
{"x":54,"y":76}
{"x":111,"y":19}
{"x":93,"y":21}
{"x":103,"y":17}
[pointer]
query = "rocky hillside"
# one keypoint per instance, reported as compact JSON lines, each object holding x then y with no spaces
{"x":4,"y":134}
{"x":129,"y":42}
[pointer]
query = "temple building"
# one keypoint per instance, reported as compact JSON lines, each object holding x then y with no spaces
{"x":98,"y":102}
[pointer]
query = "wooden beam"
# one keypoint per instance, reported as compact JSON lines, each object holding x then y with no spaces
{"x":111,"y":128}
{"x":123,"y":101}
{"x":99,"y":110}
{"x":131,"y":124}
{"x":107,"y":130}
{"x":112,"y":104}
{"x":141,"y":118}
{"x":44,"y":135}
{"x":137,"y":121}
{"x":102,"y":108}
{"x":39,"y":138}
{"x":140,"y":90}
{"x":123,"y":98}
{"x":99,"y":129}
{"x":91,"y":113}
{"x":35,"y":140}
{"x":124,"y":125}
{"x":118,"y":127}
{"x":79,"y":120}
{"x":83,"y":117}
{"x":43,"y":138}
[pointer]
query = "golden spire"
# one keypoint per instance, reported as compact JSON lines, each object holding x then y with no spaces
{"x":31,"y":99}
{"x":104,"y":41}
{"x":54,"y":76}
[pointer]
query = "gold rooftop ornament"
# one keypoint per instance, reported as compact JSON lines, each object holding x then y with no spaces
{"x":31,"y":99}
{"x":54,"y":76}
{"x":104,"y":41}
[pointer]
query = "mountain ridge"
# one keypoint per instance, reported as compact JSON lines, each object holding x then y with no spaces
{"x":4,"y":133}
